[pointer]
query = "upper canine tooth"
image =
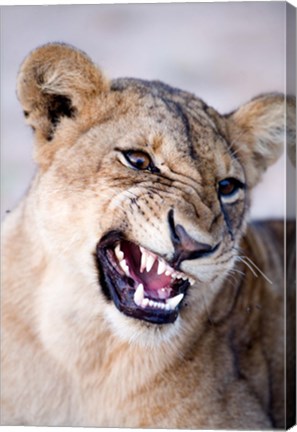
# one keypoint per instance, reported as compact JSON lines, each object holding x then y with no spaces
{"x":119,"y":254}
{"x":174,"y":301}
{"x":124,"y":266}
{"x":139,"y":295}
{"x":192,"y":281}
{"x":144,"y":257}
{"x":161,"y":267}
{"x":150,"y":262}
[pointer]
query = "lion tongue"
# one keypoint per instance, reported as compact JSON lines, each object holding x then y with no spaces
{"x":155,"y":285}
{"x":152,"y":281}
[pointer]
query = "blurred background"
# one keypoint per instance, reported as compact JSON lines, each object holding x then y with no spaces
{"x":225,"y":53}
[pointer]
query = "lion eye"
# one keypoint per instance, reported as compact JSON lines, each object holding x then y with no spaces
{"x":229,"y":187}
{"x":138,"y":159}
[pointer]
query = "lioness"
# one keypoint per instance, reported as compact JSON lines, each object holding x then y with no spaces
{"x":134,"y":293}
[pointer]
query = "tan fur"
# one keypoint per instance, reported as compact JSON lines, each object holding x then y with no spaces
{"x":69,"y":357}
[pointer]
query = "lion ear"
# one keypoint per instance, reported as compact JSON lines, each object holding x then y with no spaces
{"x":258,"y":131}
{"x":56,"y":81}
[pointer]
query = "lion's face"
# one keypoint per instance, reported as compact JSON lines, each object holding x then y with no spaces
{"x":143,"y":194}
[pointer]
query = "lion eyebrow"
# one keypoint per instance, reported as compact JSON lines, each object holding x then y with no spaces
{"x":157,"y":142}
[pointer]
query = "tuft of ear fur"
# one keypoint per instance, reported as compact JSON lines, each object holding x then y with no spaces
{"x":56,"y":81}
{"x":258,"y":131}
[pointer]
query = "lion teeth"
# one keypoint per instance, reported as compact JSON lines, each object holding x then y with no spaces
{"x":139,"y":295}
{"x":147,"y":260}
{"x":144,"y":256}
{"x":124,"y":267}
{"x":174,"y":301}
{"x":119,"y":254}
{"x":157,"y":305}
{"x":161,"y":267}
{"x":145,"y":302}
{"x":150,"y":262}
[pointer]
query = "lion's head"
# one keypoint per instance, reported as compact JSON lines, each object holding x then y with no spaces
{"x":142,"y":190}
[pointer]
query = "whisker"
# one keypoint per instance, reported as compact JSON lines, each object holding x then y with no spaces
{"x":257,"y":268}
{"x":248,"y":265}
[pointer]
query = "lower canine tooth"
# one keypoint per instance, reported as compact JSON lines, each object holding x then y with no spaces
{"x":139,"y":295}
{"x":174,"y":301}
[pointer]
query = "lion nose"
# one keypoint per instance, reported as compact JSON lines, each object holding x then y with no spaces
{"x":185,"y":247}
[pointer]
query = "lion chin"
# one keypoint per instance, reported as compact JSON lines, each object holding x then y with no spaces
{"x":135,"y":292}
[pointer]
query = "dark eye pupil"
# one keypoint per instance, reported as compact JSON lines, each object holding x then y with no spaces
{"x":138,"y":159}
{"x":226,"y":187}
{"x":229,"y":186}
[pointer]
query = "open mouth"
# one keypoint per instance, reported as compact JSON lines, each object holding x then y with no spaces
{"x":141,"y":284}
